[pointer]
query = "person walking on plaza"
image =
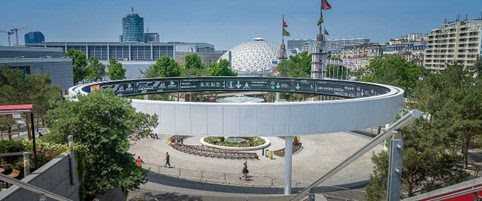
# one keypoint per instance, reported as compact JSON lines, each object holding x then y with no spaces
{"x":245,"y":170}
{"x":168,"y":160}
{"x":139,"y":162}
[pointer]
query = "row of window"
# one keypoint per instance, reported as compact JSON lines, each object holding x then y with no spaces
{"x":137,"y":53}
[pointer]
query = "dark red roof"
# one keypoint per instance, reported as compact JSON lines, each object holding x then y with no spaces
{"x":16,"y":108}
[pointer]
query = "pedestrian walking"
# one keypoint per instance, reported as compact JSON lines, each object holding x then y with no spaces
{"x":168,"y":160}
{"x":245,"y":170}
{"x":139,"y":162}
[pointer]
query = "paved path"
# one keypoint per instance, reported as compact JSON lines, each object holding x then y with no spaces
{"x":320,"y":153}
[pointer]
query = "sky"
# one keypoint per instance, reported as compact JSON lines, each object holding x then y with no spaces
{"x":226,"y":23}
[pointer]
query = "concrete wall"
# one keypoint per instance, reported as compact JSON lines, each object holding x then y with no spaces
{"x":53,"y":176}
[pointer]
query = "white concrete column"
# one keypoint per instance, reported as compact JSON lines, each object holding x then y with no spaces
{"x":288,"y":164}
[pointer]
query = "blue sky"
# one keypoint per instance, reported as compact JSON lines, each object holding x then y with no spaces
{"x":226,"y":23}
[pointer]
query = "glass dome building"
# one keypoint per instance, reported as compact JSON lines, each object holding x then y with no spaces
{"x":254,"y":58}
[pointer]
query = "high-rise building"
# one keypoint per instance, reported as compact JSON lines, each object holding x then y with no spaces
{"x":410,"y":47}
{"x":151,"y":37}
{"x":132,"y":28}
{"x":34,"y":37}
{"x":456,"y":42}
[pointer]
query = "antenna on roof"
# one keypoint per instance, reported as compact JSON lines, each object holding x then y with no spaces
{"x":458,"y":17}
{"x":132,"y":10}
{"x":466,"y":17}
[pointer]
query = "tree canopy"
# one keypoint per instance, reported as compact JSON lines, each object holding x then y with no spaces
{"x":79,"y":63}
{"x":101,"y":124}
{"x":296,"y":66}
{"x":94,"y":70}
{"x":115,"y":70}
{"x":192,"y":61}
{"x":221,"y":68}
{"x":164,"y":67}
{"x":436,"y":148}
{"x":393,"y":70}
{"x":17,"y":87}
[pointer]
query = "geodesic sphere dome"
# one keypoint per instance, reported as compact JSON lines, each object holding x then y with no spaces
{"x":252,"y":58}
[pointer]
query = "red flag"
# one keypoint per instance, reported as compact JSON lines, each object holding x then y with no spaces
{"x":325,"y":5}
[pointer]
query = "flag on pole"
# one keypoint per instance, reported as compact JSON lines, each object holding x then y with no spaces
{"x":285,"y":33}
{"x":325,"y":5}
{"x":285,"y":24}
{"x":320,"y":21}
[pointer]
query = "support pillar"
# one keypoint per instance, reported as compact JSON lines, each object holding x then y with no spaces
{"x":288,"y":164}
{"x":394,"y":170}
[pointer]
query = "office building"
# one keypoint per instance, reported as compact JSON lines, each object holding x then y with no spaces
{"x":44,"y":61}
{"x":115,"y":50}
{"x":132,"y":28}
{"x":456,"y":42}
{"x":135,"y":57}
{"x":410,"y":47}
{"x":337,"y":45}
{"x":206,"y":57}
{"x":358,"y":56}
{"x":151,"y":37}
{"x":301,"y":45}
{"x":34,"y":37}
{"x":192,"y":46}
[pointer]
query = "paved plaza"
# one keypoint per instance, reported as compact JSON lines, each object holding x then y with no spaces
{"x":319,"y":154}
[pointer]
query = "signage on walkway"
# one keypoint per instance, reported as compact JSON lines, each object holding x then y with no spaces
{"x":231,"y":84}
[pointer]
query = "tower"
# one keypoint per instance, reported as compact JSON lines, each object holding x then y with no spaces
{"x":132,"y":28}
{"x":282,"y":49}
{"x":319,"y":55}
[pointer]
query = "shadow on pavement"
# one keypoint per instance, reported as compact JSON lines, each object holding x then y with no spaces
{"x":189,"y":184}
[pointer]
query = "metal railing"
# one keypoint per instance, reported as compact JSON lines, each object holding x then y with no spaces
{"x":216,"y":177}
{"x":403,"y":121}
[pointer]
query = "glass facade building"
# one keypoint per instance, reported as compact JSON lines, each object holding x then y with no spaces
{"x":132,"y":28}
{"x":34,"y":37}
{"x":115,"y":50}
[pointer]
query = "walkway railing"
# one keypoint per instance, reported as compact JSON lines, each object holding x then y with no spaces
{"x":229,"y":178}
{"x":216,"y":177}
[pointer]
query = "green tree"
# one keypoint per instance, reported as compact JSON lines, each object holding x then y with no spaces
{"x":6,"y":123}
{"x":192,"y":61}
{"x":101,"y":124}
{"x":115,"y":70}
{"x":221,"y":68}
{"x":94,"y":70}
{"x":193,"y":66}
{"x":17,"y":88}
{"x":296,"y":66}
{"x":436,"y":148}
{"x":79,"y":63}
{"x":393,"y":70}
{"x":164,"y":67}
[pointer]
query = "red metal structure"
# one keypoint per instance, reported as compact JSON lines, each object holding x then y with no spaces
{"x":22,"y":108}
{"x":470,"y":190}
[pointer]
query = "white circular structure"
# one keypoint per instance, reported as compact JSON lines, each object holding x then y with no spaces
{"x":367,"y":105}
{"x":240,"y":99}
{"x":256,"y":57}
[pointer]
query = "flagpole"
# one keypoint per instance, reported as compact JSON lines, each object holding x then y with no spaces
{"x":282,"y":28}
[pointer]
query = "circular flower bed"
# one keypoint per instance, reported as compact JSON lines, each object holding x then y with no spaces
{"x":236,"y":143}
